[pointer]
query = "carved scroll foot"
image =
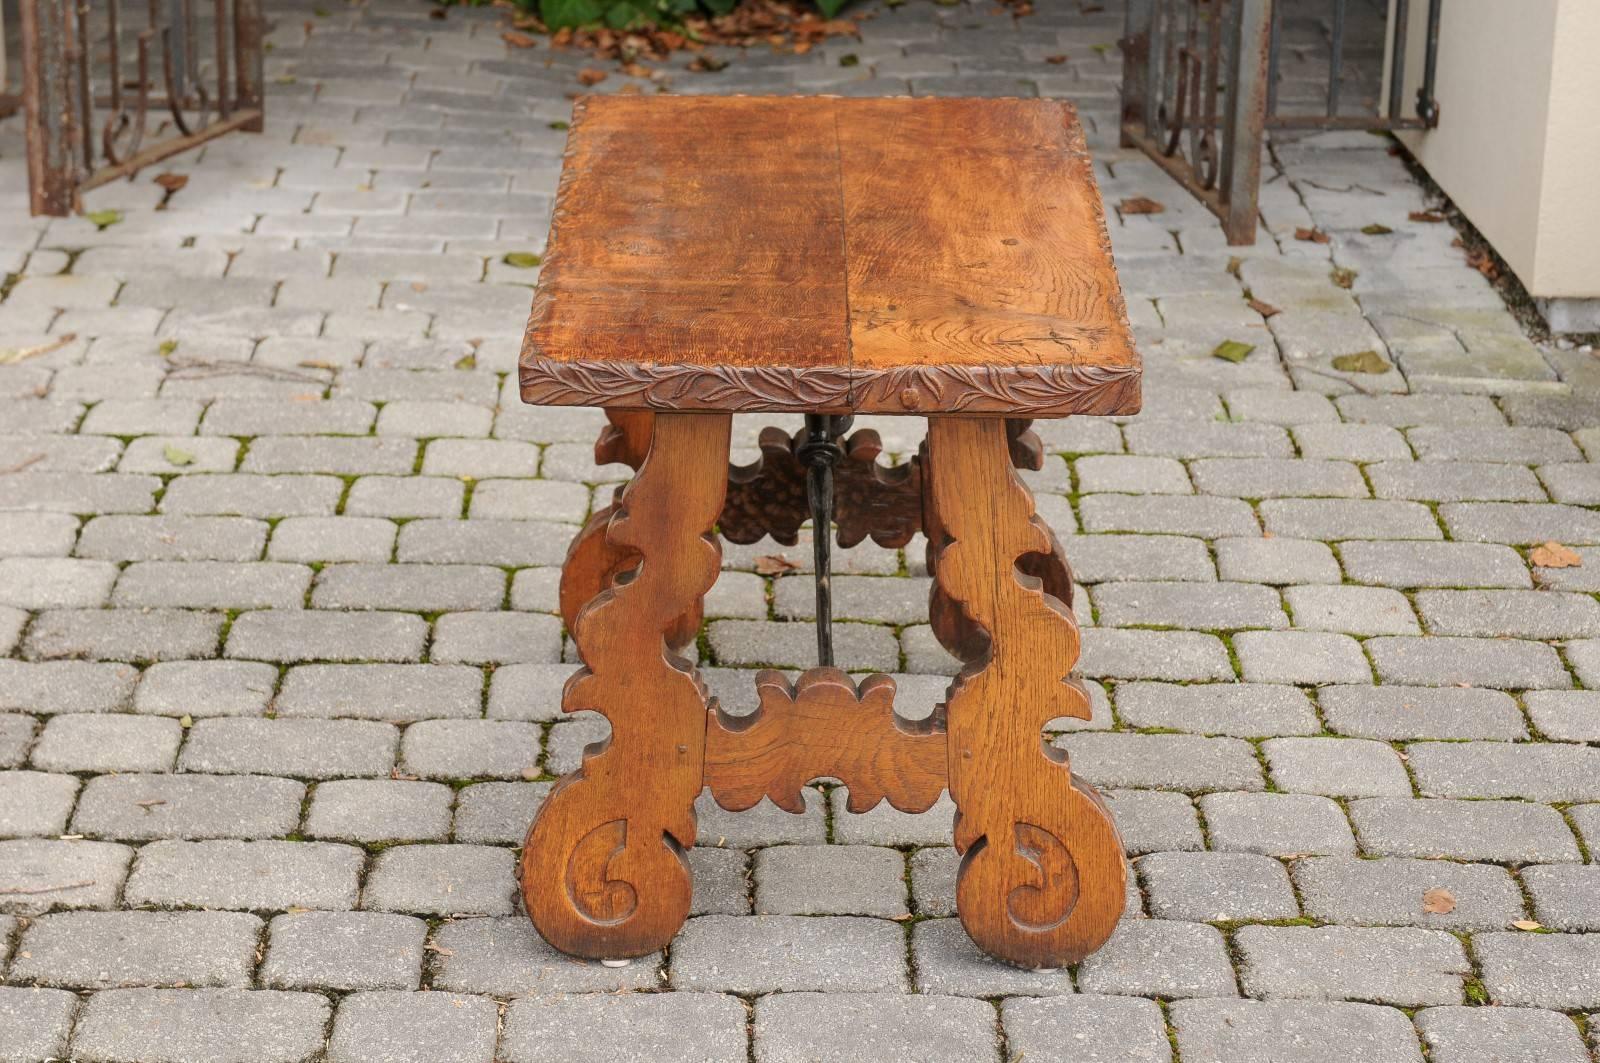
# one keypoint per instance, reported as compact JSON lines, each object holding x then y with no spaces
{"x":603,"y":869}
{"x":1042,"y":875}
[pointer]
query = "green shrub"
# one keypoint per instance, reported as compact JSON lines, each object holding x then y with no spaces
{"x":634,"y":14}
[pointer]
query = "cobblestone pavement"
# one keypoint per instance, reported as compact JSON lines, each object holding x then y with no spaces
{"x":279,"y":662}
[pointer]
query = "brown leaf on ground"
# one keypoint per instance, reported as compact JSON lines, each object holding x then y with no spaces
{"x":1428,"y":217}
{"x":1141,"y":205}
{"x":1438,"y":901}
{"x":172,"y":181}
{"x":1055,"y":60}
{"x":1311,"y":236}
{"x":1361,"y":362}
{"x":1265,"y":309}
{"x":1554,"y":555}
{"x":1527,"y":924}
{"x":591,"y":75}
{"x":774,"y":565}
{"x":518,"y":39}
{"x":706,"y":64}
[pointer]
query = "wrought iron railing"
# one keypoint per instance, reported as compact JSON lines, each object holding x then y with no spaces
{"x":107,"y":91}
{"x":1203,"y":80}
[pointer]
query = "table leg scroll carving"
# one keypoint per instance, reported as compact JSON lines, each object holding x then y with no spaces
{"x":603,"y":871}
{"x":1042,"y":875}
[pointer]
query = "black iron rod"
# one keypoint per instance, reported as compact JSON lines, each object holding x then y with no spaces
{"x":1397,"y":62}
{"x":1427,"y":106}
{"x":820,"y":452}
{"x":1336,"y":57}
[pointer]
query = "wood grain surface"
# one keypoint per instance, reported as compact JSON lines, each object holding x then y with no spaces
{"x":829,"y":255}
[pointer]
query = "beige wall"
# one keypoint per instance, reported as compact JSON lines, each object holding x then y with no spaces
{"x":1518,"y":142}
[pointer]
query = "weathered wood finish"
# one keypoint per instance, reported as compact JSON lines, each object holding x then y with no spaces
{"x":603,"y":871}
{"x":1042,"y":875}
{"x":829,"y":255}
{"x":823,"y":726}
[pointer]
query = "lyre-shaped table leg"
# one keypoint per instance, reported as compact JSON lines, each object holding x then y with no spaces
{"x":1042,"y":875}
{"x":603,"y":869}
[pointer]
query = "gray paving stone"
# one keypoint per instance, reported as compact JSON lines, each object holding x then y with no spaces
{"x":329,"y":538}
{"x":1172,"y":655}
{"x":405,"y":496}
{"x":259,"y":417}
{"x":1533,"y":771}
{"x":1573,"y":482}
{"x":1214,"y":606}
{"x":1466,"y":481}
{"x":1154,"y":821}
{"x":119,"y":635}
{"x":1250,"y":1031}
{"x":33,"y":803}
{"x":1520,"y":523}
{"x":767,"y":824}
{"x":886,"y":825}
{"x":496,"y":638}
{"x":1434,"y":564}
{"x":756,"y":954}
{"x":205,"y":688}
{"x":720,"y":886}
{"x":1515,"y":614}
{"x":1399,"y":712}
{"x":830,"y":880}
{"x":947,"y":962}
{"x":344,"y":951}
{"x":530,"y":691}
{"x":1463,"y":1034}
{"x":484,"y":542}
{"x":462,"y":749}
{"x":1336,"y":767}
{"x":423,"y":588}
{"x":1207,"y":439}
{"x":441,"y":880}
{"x":1557,"y":971}
{"x":1132,"y":475}
{"x":202,"y":1025}
{"x":313,"y":749}
{"x":379,"y":810}
{"x":1086,"y":1029}
{"x":1281,"y":825}
{"x":1276,"y":561}
{"x":1509,"y":832}
{"x":37,"y":534}
{"x":311,"y":636}
{"x":106,"y":743}
{"x":1278,"y":478}
{"x":240,"y":875}
{"x":1390,"y":891}
{"x":17,"y":732}
{"x":68,"y":492}
{"x":792,"y":1027}
{"x":1162,"y":761}
{"x":1351,"y":442}
{"x":1565,"y":715}
{"x":1101,"y":558}
{"x":1160,"y":957}
{"x":1302,"y":657}
{"x":1239,"y":710}
{"x":37,"y":875}
{"x":172,"y":538}
{"x":212,"y":585}
{"x":142,"y":807}
{"x":498,"y":812}
{"x":247,"y":495}
{"x":1206,"y":517}
{"x":892,"y":600}
{"x":1352,"y":610}
{"x":106,"y":950}
{"x":35,"y":1023}
{"x":1405,"y":411}
{"x":395,"y":692}
{"x":1520,"y":445}
{"x":592,"y":1028}
{"x":1584,"y":656}
{"x":1565,"y":896}
{"x":1211,"y":887}
{"x":55,"y":582}
{"x":398,"y":1027}
{"x":507,"y":958}
{"x":1443,"y":661}
{"x":335,"y":455}
{"x":1337,"y":518}
{"x":66,"y":686}
{"x":1391,"y":965}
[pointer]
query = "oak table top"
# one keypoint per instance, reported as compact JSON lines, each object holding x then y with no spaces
{"x":829,"y":255}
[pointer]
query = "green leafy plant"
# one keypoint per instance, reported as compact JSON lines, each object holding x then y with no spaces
{"x":637,"y":14}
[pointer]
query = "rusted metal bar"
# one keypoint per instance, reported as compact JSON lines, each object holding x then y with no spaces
{"x":47,"y":102}
{"x":1246,"y":120}
{"x":173,"y":146}
{"x":1397,"y":58}
{"x":1427,"y":103}
{"x":248,"y":30}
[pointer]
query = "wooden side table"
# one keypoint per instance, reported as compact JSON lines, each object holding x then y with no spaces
{"x":945,"y":258}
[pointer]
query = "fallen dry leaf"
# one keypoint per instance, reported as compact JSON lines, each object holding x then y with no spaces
{"x":1554,"y":555}
{"x":1527,"y":924}
{"x":774,"y":565}
{"x":1055,"y":60}
{"x":172,"y":181}
{"x":518,"y":39}
{"x":1438,"y":901}
{"x":1265,"y":309}
{"x":591,"y":75}
{"x":1312,"y":236}
{"x":1141,"y":205}
{"x":1430,"y":217}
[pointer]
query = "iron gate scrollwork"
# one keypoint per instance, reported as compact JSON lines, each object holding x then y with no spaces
{"x":1201,"y":84}
{"x":100,"y":83}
